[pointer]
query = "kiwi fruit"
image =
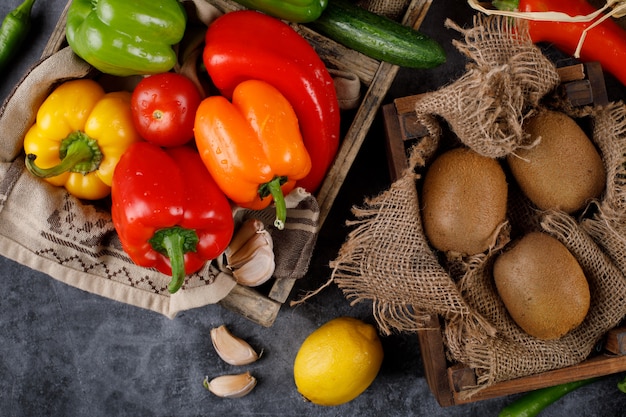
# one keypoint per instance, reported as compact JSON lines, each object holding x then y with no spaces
{"x":563,"y":171}
{"x":464,"y":201}
{"x":542,"y":286}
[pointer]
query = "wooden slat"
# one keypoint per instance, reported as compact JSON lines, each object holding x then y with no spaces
{"x":596,"y":366}
{"x":252,"y":305}
{"x":406,"y":105}
{"x":435,"y":363}
{"x":281,"y":289}
{"x":396,"y":153}
{"x":411,"y":128}
{"x":591,"y":72}
{"x":226,"y":6}
{"x":571,"y":73}
{"x":579,"y":92}
{"x":353,"y":140}
{"x":57,"y":39}
{"x":598,"y":85}
{"x":616,"y":341}
{"x":584,"y":84}
{"x":430,"y":339}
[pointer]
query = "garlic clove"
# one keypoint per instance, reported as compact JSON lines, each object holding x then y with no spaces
{"x":258,"y":269}
{"x":231,"y":386}
{"x":232,"y":349}
{"x":249,"y":249}
{"x":245,"y":232}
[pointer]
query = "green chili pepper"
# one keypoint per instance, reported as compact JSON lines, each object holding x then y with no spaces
{"x":534,"y":402}
{"x":15,"y":27}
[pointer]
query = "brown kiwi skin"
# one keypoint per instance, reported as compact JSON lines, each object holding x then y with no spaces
{"x":564,"y":170}
{"x":464,"y":201}
{"x":542,"y":286}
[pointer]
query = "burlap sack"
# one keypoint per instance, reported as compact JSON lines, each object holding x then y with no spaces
{"x":505,"y":78}
{"x":607,"y":225}
{"x":45,"y":228}
{"x":393,"y":9}
{"x":387,"y":258}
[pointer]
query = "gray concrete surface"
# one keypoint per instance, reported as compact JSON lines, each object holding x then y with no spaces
{"x":64,"y":352}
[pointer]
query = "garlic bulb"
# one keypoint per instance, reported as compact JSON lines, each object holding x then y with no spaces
{"x":250,"y":255}
{"x":231,"y":386}
{"x":232,"y":349}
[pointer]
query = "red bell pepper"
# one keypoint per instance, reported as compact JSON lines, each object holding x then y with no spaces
{"x":246,"y":45}
{"x":168,"y":211}
{"x":605,"y":43}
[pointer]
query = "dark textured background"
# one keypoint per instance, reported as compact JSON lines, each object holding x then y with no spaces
{"x":65,"y":352}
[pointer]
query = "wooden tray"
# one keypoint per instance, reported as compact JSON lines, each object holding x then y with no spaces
{"x":376,"y":78}
{"x":448,"y":380}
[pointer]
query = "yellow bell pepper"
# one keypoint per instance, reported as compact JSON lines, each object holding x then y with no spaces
{"x":79,"y":136}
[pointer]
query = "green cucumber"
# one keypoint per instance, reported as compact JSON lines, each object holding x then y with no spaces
{"x":377,"y":36}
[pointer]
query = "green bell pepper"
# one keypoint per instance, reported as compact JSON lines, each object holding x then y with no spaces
{"x":298,"y":11}
{"x":121,"y":37}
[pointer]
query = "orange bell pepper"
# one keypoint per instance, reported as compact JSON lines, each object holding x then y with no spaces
{"x":252,"y":146}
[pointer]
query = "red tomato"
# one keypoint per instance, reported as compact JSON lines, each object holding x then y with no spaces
{"x":164,"y":108}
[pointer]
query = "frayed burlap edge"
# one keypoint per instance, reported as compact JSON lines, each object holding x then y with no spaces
{"x":506,"y":77}
{"x":427,"y":286}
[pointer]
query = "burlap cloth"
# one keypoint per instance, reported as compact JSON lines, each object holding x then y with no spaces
{"x":73,"y":241}
{"x":387,"y":259}
{"x":393,"y":9}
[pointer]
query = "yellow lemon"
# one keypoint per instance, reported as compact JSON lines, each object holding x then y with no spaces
{"x":338,"y":361}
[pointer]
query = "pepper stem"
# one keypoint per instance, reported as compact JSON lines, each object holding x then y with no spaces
{"x":78,"y":153}
{"x":175,"y":242}
{"x":273,"y":188}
